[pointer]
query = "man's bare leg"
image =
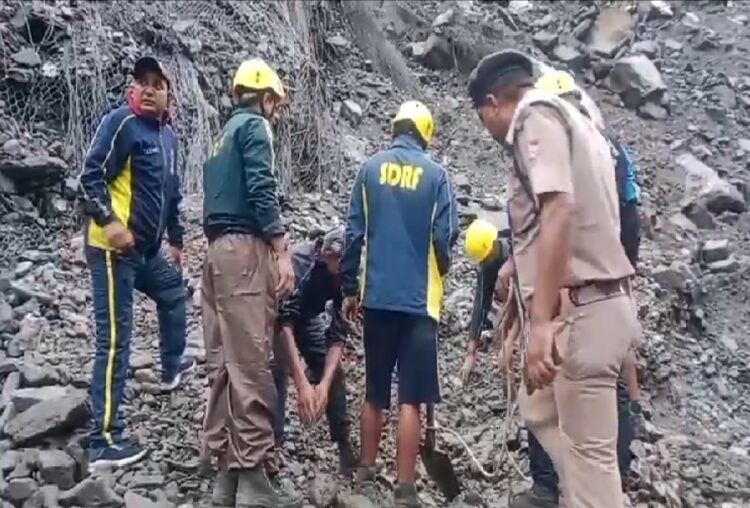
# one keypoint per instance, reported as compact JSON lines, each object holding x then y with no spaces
{"x":371,"y":427}
{"x":407,"y":444}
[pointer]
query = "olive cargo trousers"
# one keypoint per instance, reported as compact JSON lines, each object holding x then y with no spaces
{"x":239,"y":309}
{"x":575,"y":419}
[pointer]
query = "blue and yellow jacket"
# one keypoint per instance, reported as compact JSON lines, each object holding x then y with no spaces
{"x":403,"y":210}
{"x":129,"y":174}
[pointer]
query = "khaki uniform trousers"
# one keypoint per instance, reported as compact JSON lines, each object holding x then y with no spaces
{"x":240,"y":276}
{"x":575,"y":419}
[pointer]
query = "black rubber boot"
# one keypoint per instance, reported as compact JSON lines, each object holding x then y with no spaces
{"x":254,"y":490}
{"x":536,"y":497}
{"x":225,"y":490}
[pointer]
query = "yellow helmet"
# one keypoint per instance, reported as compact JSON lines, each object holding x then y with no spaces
{"x":480,"y":240}
{"x":556,"y":82}
{"x":419,"y":115}
{"x":256,"y":74}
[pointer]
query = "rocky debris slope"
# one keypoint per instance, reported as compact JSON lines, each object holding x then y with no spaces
{"x":670,"y":78}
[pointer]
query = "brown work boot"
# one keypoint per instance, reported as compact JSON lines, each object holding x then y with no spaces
{"x":536,"y":497}
{"x":254,"y":490}
{"x":225,"y":489}
{"x":348,"y":460}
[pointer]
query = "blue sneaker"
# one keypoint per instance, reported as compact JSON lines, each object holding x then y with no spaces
{"x":118,"y":455}
{"x":169,"y":383}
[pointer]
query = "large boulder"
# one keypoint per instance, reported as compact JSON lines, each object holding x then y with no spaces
{"x":435,"y":53}
{"x":637,"y":80}
{"x":33,"y":167}
{"x":49,"y":417}
{"x":704,"y":187}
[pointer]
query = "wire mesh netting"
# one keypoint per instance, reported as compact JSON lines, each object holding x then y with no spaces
{"x":66,"y":68}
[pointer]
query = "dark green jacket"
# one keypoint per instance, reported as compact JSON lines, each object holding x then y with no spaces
{"x":239,"y":181}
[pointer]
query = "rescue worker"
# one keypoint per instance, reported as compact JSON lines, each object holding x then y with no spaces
{"x":247,"y":266}
{"x":569,"y":267}
{"x":131,"y":195}
{"x":302,"y":333}
{"x":403,"y":211}
{"x":484,"y":246}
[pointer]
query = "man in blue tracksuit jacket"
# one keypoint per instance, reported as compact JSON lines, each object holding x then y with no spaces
{"x":403,"y":210}
{"x":131,"y":195}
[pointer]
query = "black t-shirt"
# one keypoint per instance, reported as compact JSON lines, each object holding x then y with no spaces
{"x":486,"y":279}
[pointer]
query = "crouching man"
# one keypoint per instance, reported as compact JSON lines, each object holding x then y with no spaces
{"x":302,"y":335}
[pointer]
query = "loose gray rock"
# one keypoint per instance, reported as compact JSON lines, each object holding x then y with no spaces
{"x":715,"y":250}
{"x":49,"y":417}
{"x":20,"y":489}
{"x":648,"y":48}
{"x":25,"y":398}
{"x":133,"y":500}
{"x":351,"y":111}
{"x":728,"y":265}
{"x":546,"y":41}
{"x":37,"y":375}
{"x":703,"y":185}
{"x":6,"y":315}
{"x":637,"y":80}
{"x":355,"y":501}
{"x":57,"y":468}
{"x":571,"y":57}
{"x":23,"y":268}
{"x":435,"y":53}
{"x":323,"y":490}
{"x":92,"y":492}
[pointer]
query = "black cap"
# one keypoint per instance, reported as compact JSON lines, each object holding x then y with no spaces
{"x":333,"y":241}
{"x":495,"y":68}
{"x":148,"y":64}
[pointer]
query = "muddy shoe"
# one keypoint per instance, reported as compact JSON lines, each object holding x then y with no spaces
{"x":365,"y":485}
{"x":225,"y":489}
{"x":348,"y":460}
{"x":254,"y":490}
{"x":536,"y":497}
{"x":406,"y":496}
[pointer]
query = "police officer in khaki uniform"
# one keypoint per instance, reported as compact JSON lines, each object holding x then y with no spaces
{"x":571,"y":271}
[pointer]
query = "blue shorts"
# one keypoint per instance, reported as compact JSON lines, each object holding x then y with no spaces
{"x":408,"y":340}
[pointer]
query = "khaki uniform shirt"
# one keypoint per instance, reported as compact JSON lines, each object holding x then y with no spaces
{"x":575,"y":160}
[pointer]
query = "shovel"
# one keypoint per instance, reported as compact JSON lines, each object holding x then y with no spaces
{"x":437,"y":463}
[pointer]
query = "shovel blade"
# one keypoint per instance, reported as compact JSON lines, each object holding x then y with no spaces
{"x":440,"y":469}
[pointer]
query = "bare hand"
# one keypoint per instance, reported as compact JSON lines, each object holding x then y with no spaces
{"x":350,"y":308}
{"x":321,"y":399}
{"x":468,"y":367}
{"x":505,"y":356}
{"x":502,"y":286}
{"x":118,"y":236}
{"x":175,"y":254}
{"x":286,"y":275}
{"x":306,"y":402}
{"x":541,"y":365}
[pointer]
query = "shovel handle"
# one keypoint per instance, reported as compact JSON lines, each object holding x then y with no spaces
{"x":429,"y":435}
